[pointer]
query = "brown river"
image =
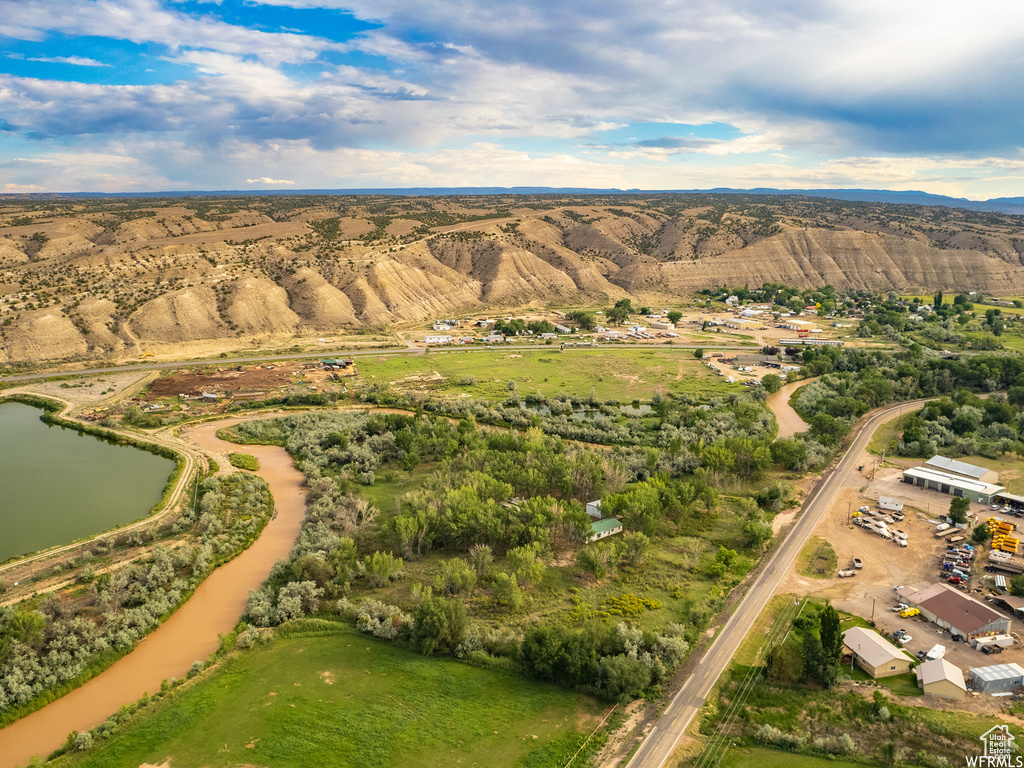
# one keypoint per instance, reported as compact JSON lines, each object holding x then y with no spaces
{"x":191,"y":634}
{"x":789,"y":420}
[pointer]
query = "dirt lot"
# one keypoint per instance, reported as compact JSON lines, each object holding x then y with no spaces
{"x":886,"y":565}
{"x":251,"y":379}
{"x":89,"y":390}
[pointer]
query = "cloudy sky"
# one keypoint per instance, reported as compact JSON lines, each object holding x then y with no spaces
{"x":137,"y":95}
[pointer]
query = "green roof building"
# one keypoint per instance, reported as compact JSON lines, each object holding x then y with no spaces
{"x":600,"y":529}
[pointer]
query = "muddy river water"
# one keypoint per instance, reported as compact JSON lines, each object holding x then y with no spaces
{"x":191,"y":634}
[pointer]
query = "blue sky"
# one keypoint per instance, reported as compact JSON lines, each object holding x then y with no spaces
{"x":136,"y":95}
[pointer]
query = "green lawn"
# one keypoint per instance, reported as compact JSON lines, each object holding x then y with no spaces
{"x":817,"y":559}
{"x":904,"y":685}
{"x":347,"y":700}
{"x":611,"y":373}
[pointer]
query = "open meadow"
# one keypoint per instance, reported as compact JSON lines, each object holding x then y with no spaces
{"x":610,"y":373}
{"x":369,"y":704}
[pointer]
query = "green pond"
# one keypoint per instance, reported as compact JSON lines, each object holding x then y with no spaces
{"x":58,"y":484}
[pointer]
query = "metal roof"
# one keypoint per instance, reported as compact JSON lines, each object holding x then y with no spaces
{"x":998,"y":672}
{"x":959,"y":467}
{"x":607,"y":524}
{"x":871,"y":646}
{"x":955,"y":481}
{"x":953,"y":607}
{"x":940,"y":669}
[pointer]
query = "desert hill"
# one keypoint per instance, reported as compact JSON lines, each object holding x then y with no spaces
{"x":102,"y":278}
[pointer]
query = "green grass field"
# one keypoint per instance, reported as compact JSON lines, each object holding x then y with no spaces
{"x":817,"y":559}
{"x":348,"y":700}
{"x":611,"y":373}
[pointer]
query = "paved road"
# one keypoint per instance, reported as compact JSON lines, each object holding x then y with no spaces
{"x":155,"y":366}
{"x":662,"y":739}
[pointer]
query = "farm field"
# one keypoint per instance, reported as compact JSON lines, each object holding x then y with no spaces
{"x":610,"y":373}
{"x":369,"y":703}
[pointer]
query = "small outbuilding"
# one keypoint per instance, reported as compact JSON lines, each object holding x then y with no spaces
{"x":874,"y":654}
{"x":997,"y":678}
{"x":601,"y":529}
{"x":594,"y":509}
{"x":890,"y":503}
{"x":940,"y":677}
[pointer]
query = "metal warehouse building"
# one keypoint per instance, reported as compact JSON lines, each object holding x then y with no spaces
{"x":959,"y":613}
{"x":962,"y":468}
{"x":933,"y":480}
{"x":997,"y":678}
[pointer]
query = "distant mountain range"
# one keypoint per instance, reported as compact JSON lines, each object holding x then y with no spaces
{"x":1012,"y":205}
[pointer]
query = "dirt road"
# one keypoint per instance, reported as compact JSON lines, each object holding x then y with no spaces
{"x":191,"y":634}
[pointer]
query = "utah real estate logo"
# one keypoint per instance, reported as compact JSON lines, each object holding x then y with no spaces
{"x":998,"y":752}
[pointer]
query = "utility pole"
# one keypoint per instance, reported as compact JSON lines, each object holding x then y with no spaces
{"x":849,"y":511}
{"x":872,"y":610}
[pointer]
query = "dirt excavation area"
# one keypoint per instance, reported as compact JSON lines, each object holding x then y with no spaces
{"x":871,"y":593}
{"x":240,"y":380}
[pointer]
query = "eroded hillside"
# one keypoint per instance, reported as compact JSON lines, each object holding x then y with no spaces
{"x":114,"y":278}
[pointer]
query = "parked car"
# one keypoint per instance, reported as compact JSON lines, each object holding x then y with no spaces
{"x":900,"y":607}
{"x":921,"y":655}
{"x":906,"y":613}
{"x":857,"y":563}
{"x":957,"y":638}
{"x":902,"y":639}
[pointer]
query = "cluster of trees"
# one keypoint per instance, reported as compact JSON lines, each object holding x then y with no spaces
{"x":965,"y":424}
{"x":817,"y":656}
{"x":852,"y":381}
{"x":45,"y":648}
{"x":517,"y":326}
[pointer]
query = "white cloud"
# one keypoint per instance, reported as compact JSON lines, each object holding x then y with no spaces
{"x":266,"y":180}
{"x":80,"y":61}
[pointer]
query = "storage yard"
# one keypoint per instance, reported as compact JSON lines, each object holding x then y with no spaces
{"x":907,"y":550}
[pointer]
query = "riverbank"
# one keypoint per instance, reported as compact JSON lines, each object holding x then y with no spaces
{"x":788,"y":419}
{"x":191,"y":634}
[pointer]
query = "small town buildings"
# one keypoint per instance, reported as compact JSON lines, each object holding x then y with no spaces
{"x":874,"y":654}
{"x":955,"y":485}
{"x":594,"y":509}
{"x":997,"y":678}
{"x":660,"y":325}
{"x":742,"y":325}
{"x":440,"y":339}
{"x":798,"y":325}
{"x":441,"y":326}
{"x":962,"y":469}
{"x":494,"y":338}
{"x":562,"y":328}
{"x":961,"y":614}
{"x":940,"y":677}
{"x":812,"y":342}
{"x":600,"y":529}
{"x":637,"y":328}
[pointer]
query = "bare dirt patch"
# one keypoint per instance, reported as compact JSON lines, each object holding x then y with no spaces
{"x":225,"y":381}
